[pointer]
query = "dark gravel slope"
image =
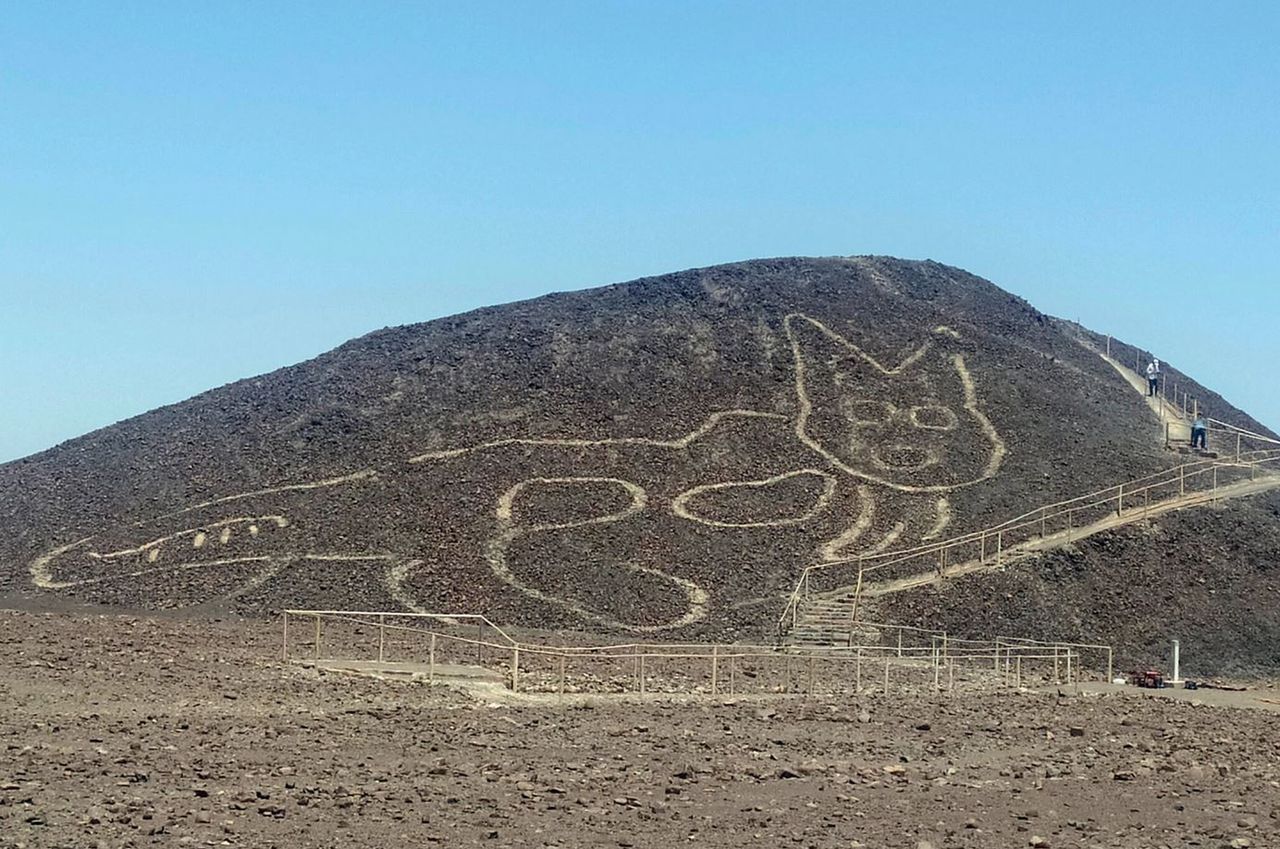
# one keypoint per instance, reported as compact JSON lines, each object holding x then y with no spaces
{"x":676,"y":450}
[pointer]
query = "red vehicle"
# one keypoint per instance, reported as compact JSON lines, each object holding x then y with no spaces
{"x":1151,"y":678}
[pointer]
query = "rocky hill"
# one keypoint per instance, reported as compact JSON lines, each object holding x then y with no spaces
{"x":660,"y":456}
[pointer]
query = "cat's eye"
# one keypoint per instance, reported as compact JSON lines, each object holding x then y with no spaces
{"x":934,"y":417}
{"x":869,"y":412}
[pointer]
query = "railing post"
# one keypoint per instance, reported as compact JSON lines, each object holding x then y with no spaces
{"x":642,"y":675}
{"x":317,"y":657}
{"x":1120,"y":500}
{"x":999,"y":546}
{"x":1182,"y":479}
{"x":1043,"y":510}
{"x":982,"y":548}
{"x":715,"y":668}
{"x":937,"y":666}
{"x":1237,"y":447}
{"x":899,"y":641}
{"x":284,"y":640}
{"x":857,"y":595}
{"x":382,"y":636}
{"x":431,"y":660}
{"x":515,"y":669}
{"x":562,"y":657}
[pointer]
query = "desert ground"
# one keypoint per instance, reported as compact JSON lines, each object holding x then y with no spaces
{"x":124,"y":731}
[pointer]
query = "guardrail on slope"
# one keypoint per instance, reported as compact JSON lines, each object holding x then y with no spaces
{"x":1044,"y":523}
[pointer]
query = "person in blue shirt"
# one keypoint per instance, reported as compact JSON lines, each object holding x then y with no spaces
{"x":1199,"y":430}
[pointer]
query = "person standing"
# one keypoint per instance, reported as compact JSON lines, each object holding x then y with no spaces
{"x":1199,"y":432}
{"x":1153,"y":377}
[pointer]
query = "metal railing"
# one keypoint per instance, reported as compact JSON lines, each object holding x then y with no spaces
{"x":381,"y":641}
{"x":1056,"y":523}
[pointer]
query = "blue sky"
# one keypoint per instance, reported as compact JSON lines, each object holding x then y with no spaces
{"x":194,"y":193}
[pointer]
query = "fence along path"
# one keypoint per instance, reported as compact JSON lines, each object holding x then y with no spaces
{"x":455,"y":647}
{"x":823,"y":606}
{"x":1177,"y":409}
{"x":843,"y":583}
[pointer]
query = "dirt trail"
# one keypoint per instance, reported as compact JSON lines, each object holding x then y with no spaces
{"x":1169,"y":414}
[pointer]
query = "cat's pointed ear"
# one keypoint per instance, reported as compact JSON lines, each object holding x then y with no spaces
{"x":814,"y":342}
{"x":948,"y":340}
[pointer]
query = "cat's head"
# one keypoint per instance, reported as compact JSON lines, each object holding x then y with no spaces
{"x":913,"y":423}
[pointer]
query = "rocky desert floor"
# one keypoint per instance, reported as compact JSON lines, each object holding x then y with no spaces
{"x":122,"y":731}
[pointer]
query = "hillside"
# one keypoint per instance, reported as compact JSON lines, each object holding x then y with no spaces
{"x":1209,"y":577}
{"x":658,"y":456}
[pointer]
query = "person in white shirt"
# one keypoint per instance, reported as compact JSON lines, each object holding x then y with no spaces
{"x":1153,"y":377}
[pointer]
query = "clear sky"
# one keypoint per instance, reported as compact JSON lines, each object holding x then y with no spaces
{"x":191,"y":193}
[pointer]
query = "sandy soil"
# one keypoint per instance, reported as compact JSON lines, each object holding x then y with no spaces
{"x":123,"y":731}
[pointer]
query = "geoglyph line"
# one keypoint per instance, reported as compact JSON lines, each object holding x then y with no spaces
{"x":506,"y":503}
{"x":830,"y":550}
{"x":806,"y":407}
{"x":943,"y":512}
{"x":508,"y":532}
{"x":683,"y":505}
{"x":680,"y":442}
{"x":367,"y":474}
{"x":45,"y":582}
{"x":680,"y":505}
{"x":198,"y":541}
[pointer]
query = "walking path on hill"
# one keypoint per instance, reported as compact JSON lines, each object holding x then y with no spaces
{"x":830,"y":617}
{"x":1038,"y":545}
{"x":1170,"y":414}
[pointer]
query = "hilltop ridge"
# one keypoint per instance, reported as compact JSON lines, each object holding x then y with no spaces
{"x":658,"y":456}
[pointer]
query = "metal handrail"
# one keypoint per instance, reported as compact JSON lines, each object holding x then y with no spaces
{"x":1038,"y":516}
{"x":941,"y":653}
{"x":473,"y":617}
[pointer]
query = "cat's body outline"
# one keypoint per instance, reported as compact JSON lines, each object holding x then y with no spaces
{"x":838,"y":470}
